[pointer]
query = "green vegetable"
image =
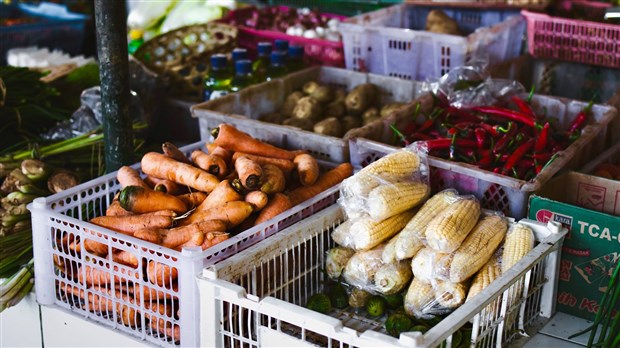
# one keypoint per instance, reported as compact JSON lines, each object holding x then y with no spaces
{"x":375,"y":306}
{"x":319,"y":302}
{"x":420,"y":328}
{"x":397,"y":323}
{"x":394,"y":301}
{"x":338,"y":296}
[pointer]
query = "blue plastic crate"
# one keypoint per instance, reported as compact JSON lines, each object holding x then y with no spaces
{"x":54,"y":28}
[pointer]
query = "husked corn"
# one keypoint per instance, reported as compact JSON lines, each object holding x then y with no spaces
{"x":519,"y":242}
{"x":358,"y":298}
{"x":478,"y":247}
{"x":485,"y":276}
{"x":447,"y":230}
{"x":420,"y":298}
{"x":392,"y":277}
{"x":448,"y":294}
{"x":336,"y":260}
{"x":342,"y":234}
{"x":368,"y":233}
{"x":394,"y":198}
{"x":389,"y":253}
{"x":429,"y":265}
{"x":361,"y":268}
{"x":410,"y":240}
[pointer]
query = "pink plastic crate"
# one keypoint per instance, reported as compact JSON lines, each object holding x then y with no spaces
{"x":317,"y":51}
{"x":573,"y":40}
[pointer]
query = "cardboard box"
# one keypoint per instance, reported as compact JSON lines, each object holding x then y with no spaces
{"x":591,"y":250}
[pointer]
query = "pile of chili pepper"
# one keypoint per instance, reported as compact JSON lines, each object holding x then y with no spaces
{"x":510,"y":140}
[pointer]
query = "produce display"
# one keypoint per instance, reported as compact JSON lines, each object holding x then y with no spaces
{"x":191,"y":201}
{"x":330,"y":111}
{"x":410,"y":260}
{"x":511,"y":140}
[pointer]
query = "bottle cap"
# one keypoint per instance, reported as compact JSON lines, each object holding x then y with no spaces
{"x":239,"y":53}
{"x":296,"y":51}
{"x":281,"y":45}
{"x":218,"y":61}
{"x":278,"y":58}
{"x":264,"y":49}
{"x":243,"y":66}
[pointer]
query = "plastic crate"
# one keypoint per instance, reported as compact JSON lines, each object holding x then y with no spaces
{"x":611,"y":155}
{"x":495,"y":191}
{"x":62,"y":217}
{"x":257,"y":299}
{"x":341,"y":7}
{"x":55,"y":28}
{"x":392,"y":41}
{"x":316,"y":51}
{"x":244,"y":108}
{"x":573,"y":40}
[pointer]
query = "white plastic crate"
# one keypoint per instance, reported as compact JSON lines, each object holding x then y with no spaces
{"x":392,"y":41}
{"x":61,"y":218}
{"x":244,"y":108}
{"x":256,"y":299}
{"x":495,"y":191}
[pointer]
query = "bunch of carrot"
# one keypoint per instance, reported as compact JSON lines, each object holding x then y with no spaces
{"x":238,"y":182}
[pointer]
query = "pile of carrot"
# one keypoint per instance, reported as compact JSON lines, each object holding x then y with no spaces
{"x":235,"y":183}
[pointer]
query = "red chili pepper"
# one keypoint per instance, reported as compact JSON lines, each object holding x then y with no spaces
{"x":541,"y":142}
{"x":491,"y":129}
{"x":419,"y":136}
{"x":506,"y":114}
{"x":462,"y":114}
{"x":523,"y":106}
{"x":444,"y":143}
{"x":504,"y":141}
{"x":410,"y":128}
{"x":486,"y":158}
{"x":580,"y":119}
{"x":426,"y":125}
{"x":543,"y":156}
{"x":517,"y":155}
{"x":480,"y":137}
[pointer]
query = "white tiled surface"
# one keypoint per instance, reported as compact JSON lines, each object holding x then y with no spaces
{"x":20,"y":325}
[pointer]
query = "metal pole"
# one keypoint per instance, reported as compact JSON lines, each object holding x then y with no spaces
{"x":111,"y":28}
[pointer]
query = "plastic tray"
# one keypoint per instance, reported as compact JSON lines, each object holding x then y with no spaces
{"x":573,"y":40}
{"x":316,"y":51}
{"x":257,"y":299}
{"x":65,"y":215}
{"x":55,"y":28}
{"x":243,"y":109}
{"x":392,"y":41}
{"x":495,"y":191}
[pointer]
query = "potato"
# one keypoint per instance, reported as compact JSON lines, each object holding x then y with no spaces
{"x":370,"y":115}
{"x":349,"y":122}
{"x":307,"y":108}
{"x":389,"y":108}
{"x":329,"y":126}
{"x":310,"y":87}
{"x":335,"y":108}
{"x":360,"y":98}
{"x":439,"y":22}
{"x":323,"y":94}
{"x":290,"y":102}
{"x":273,"y":117}
{"x":304,"y":124}
{"x":340,"y":94}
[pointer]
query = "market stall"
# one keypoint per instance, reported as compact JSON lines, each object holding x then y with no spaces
{"x":347,"y":173}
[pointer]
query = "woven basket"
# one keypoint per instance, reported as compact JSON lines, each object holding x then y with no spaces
{"x":181,"y":56}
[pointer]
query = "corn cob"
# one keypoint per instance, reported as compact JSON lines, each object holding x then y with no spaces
{"x":420,"y":298}
{"x":336,"y":259}
{"x":448,"y":294}
{"x":391,"y":199}
{"x":399,"y":164}
{"x":519,"y":242}
{"x":389,"y":253}
{"x":410,"y":240}
{"x":361,"y":268}
{"x":368,"y":233}
{"x":393,"y":277}
{"x":478,"y":247}
{"x":447,"y":230}
{"x":342,"y":235}
{"x":485,"y":276}
{"x":429,"y":265}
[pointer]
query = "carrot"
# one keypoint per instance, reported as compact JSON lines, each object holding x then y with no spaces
{"x":173,"y":152}
{"x":163,"y":312}
{"x":257,"y":199}
{"x":325,"y":181}
{"x":223,"y":193}
{"x":250,"y":173}
{"x":212,"y":238}
{"x":166,"y":186}
{"x":95,"y":276}
{"x":124,"y":257}
{"x":231,"y":213}
{"x":307,"y":169}
{"x":128,"y":176}
{"x":161,"y":166}
{"x":138,"y":291}
{"x":193,"y":199}
{"x":245,"y":225}
{"x":273,"y":179}
{"x":161,"y":274}
{"x":212,"y":164}
{"x":130,"y":223}
{"x":175,"y":237}
{"x":93,"y":246}
{"x":167,"y":328}
{"x":140,"y":200}
{"x":115,"y":209}
{"x":220,"y":152}
{"x":286,"y":165}
{"x":277,"y":204}
{"x":229,"y":137}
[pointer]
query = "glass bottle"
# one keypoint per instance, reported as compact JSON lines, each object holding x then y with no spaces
{"x":278,"y":66}
{"x":262,"y":63}
{"x":243,"y":75}
{"x":218,"y":79}
{"x":295,"y":58}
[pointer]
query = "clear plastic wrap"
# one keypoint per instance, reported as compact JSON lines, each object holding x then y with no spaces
{"x":446,"y":231}
{"x":342,"y":235}
{"x":335,"y":261}
{"x":429,"y":265}
{"x":425,"y":300}
{"x":368,"y":233}
{"x":361,"y":268}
